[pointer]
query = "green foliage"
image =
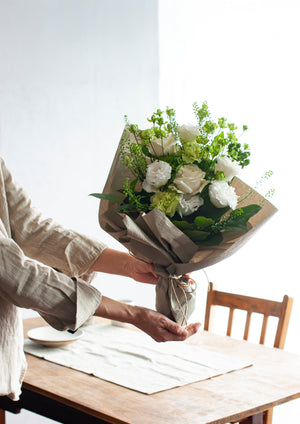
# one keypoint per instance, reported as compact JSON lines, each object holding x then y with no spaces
{"x":209,"y":232}
{"x":109,"y":197}
{"x":200,"y":146}
{"x":216,"y":142}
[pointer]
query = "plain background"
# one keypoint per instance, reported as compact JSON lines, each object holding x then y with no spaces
{"x":71,"y":69}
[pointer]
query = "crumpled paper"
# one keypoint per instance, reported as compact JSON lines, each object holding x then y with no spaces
{"x":153,"y":238}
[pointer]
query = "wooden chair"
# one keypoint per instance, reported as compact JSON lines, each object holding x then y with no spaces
{"x":280,"y":310}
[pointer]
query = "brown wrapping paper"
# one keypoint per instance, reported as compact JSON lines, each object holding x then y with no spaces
{"x":153,"y":238}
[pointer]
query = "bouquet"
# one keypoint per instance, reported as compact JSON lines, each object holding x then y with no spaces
{"x":173,"y":197}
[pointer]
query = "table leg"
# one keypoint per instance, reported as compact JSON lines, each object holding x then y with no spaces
{"x":255,"y":419}
{"x":268,"y":416}
{"x":2,"y":416}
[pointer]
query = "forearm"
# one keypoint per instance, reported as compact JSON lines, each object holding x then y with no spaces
{"x":114,"y":310}
{"x":121,"y":263}
{"x":113,"y":262}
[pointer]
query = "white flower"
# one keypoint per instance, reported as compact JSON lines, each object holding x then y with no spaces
{"x":228,"y":167}
{"x":165,"y":146}
{"x":188,"y":132}
{"x":190,"y":179}
{"x":189,"y":204}
{"x":221,"y":194}
{"x":158,"y":173}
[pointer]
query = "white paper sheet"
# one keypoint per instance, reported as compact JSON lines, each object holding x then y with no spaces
{"x":134,"y":360}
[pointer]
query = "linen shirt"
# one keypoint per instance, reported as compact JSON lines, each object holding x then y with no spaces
{"x":44,"y":267}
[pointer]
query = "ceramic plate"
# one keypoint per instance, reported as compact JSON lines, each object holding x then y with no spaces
{"x":48,"y":336}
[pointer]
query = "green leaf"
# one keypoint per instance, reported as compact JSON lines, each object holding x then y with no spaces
{"x":184,"y":225}
{"x":202,"y":221}
{"x":196,"y":235}
{"x":147,"y":153}
{"x":215,"y":240}
{"x":109,"y":197}
{"x":128,"y":207}
{"x":133,"y":184}
{"x":238,"y":222}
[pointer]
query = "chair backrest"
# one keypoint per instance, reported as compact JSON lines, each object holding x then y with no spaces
{"x":281,"y":310}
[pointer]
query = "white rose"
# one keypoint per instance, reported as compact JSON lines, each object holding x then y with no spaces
{"x":189,"y":204}
{"x":157,"y":175}
{"x":188,"y":132}
{"x":166,"y":146}
{"x":221,"y":194}
{"x":226,"y":165}
{"x":190,"y":179}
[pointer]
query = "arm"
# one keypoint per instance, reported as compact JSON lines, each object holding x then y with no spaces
{"x":65,"y":303}
{"x":156,"y":325}
{"x":121,"y":263}
{"x":44,"y":239}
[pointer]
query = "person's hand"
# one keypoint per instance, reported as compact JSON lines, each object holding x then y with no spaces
{"x":161,"y":328}
{"x":122,"y":263}
{"x":156,"y":325}
{"x":141,"y":271}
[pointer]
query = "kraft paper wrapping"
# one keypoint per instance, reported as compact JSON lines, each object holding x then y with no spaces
{"x":153,"y":238}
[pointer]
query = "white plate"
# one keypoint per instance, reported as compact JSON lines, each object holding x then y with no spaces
{"x":48,"y":336}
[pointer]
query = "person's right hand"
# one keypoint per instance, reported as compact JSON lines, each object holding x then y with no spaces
{"x":155,"y":324}
{"x":161,"y":328}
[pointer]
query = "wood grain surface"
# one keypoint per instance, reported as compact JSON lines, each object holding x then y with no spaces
{"x":273,"y":379}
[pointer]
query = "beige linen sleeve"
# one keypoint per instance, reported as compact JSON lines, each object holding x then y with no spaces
{"x":65,"y":303}
{"x":44,"y":239}
{"x":59,"y":290}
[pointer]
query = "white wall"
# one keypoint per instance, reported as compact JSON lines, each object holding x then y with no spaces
{"x":242,"y":58}
{"x":69,"y":71}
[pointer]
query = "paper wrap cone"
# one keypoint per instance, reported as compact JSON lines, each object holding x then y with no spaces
{"x":153,"y":238}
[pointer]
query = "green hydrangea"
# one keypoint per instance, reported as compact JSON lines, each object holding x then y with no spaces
{"x":166,"y":201}
{"x":192,"y":151}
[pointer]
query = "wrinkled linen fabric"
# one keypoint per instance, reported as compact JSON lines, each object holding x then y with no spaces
{"x":44,"y":267}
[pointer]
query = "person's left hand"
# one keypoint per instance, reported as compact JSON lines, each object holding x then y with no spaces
{"x":117,"y":262}
{"x":141,"y":271}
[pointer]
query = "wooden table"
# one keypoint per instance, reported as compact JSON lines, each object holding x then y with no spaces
{"x":272,"y":380}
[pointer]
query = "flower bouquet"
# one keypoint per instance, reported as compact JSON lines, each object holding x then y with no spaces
{"x":173,"y":198}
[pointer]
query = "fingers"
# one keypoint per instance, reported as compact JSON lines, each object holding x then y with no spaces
{"x":176,"y":332}
{"x":192,"y":328}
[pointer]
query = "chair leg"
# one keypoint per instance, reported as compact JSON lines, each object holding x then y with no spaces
{"x":2,"y":416}
{"x":268,"y":416}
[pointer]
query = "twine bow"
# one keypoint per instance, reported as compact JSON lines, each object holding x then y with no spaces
{"x":186,"y":285}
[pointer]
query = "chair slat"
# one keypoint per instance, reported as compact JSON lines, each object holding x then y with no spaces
{"x":230,"y":321}
{"x":263,"y":330}
{"x":247,"y":325}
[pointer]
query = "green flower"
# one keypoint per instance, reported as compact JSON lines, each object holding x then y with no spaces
{"x":191,"y":151}
{"x":222,"y":122}
{"x":209,"y":127}
{"x":166,"y":201}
